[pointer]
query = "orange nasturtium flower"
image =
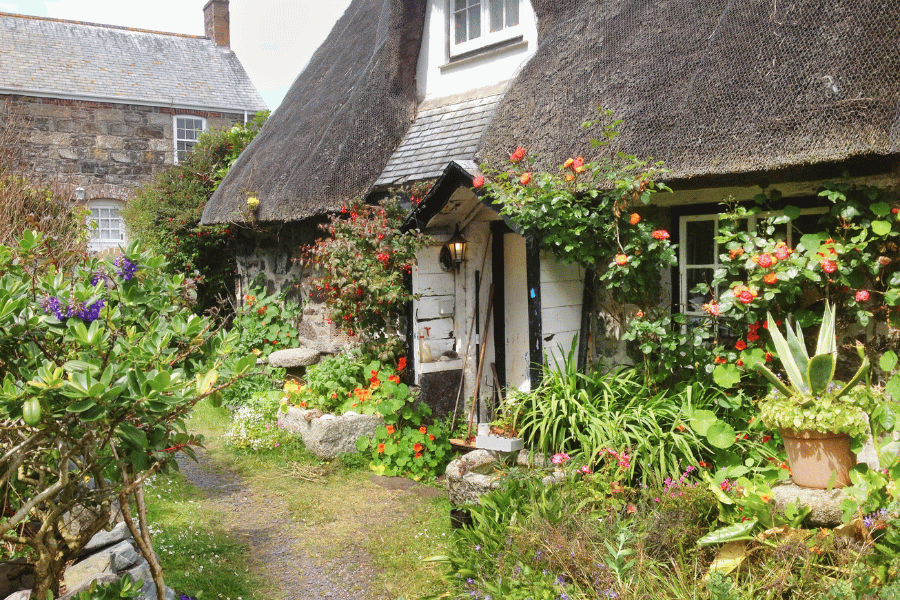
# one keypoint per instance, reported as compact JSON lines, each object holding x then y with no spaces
{"x":380,"y":448}
{"x":390,"y":429}
{"x":634,"y":219}
{"x":418,"y":447}
{"x":423,"y":430}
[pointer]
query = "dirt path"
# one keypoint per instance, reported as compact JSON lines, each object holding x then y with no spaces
{"x":304,"y":559}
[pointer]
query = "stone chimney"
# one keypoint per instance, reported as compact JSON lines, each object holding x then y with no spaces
{"x":216,"y":20}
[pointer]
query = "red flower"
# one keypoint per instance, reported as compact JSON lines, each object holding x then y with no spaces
{"x":739,"y":362}
{"x":861,"y":296}
{"x":525,"y":178}
{"x":401,"y":364}
{"x":418,"y":447}
{"x":770,"y":278}
{"x":423,"y":430}
{"x":634,"y":219}
{"x":418,"y":455}
{"x":740,"y":345}
{"x":660,"y":234}
{"x":380,"y":448}
{"x":829,"y":266}
{"x":768,"y":356}
{"x":478,"y":182}
{"x":782,"y":251}
{"x":518,"y":155}
{"x":394,"y":379}
{"x":431,"y":437}
{"x":720,"y":360}
{"x":895,"y":210}
{"x":390,"y":429}
{"x":766,"y":260}
{"x":578,"y":165}
{"x":621,"y":259}
{"x":746,"y":297}
{"x":752,"y":336}
{"x":766,"y":438}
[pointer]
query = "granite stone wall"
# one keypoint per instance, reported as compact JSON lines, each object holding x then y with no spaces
{"x":83,"y":143}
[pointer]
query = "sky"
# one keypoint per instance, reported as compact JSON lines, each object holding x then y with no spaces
{"x":274,"y":39}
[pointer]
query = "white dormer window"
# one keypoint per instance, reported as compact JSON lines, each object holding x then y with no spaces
{"x":187,"y":132}
{"x":107,"y":229}
{"x":479,"y":23}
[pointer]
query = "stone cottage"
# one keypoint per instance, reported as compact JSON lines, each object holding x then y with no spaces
{"x":733,"y":97}
{"x":102,"y":108}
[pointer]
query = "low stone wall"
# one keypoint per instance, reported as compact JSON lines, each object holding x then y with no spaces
{"x":109,"y":556}
{"x":465,"y":486}
{"x":326,"y":435}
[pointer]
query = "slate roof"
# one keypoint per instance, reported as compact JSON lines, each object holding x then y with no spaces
{"x":445,"y":130}
{"x":53,"y":57}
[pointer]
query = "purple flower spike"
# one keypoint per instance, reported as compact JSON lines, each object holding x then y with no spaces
{"x":126,"y":268}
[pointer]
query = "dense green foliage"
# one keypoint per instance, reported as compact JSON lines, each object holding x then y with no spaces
{"x":165,"y":216}
{"x":100,"y":365}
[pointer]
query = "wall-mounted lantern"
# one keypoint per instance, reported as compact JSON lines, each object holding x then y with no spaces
{"x":79,"y":193}
{"x":457,"y":247}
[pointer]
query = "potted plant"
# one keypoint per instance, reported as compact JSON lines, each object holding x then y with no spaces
{"x":815,"y":414}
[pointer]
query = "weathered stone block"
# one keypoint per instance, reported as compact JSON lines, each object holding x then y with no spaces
{"x":294,"y":357}
{"x":15,"y":577}
{"x":118,"y":129}
{"x":136,"y":144}
{"x":118,"y":558}
{"x":825,"y":505}
{"x":328,"y":436}
{"x":110,"y":141}
{"x":105,"y":539}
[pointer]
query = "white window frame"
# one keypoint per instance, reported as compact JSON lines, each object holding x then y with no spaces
{"x":487,"y":37}
{"x":108,"y":219}
{"x":683,"y":267}
{"x":188,"y":141}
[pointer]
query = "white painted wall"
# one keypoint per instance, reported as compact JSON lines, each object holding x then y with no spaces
{"x":562,"y":293}
{"x":438,"y":76}
{"x":518,"y":355}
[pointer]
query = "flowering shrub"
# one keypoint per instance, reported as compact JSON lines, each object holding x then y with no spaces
{"x":331,"y":381}
{"x":266,"y":322}
{"x":100,"y":365}
{"x":361,"y":265}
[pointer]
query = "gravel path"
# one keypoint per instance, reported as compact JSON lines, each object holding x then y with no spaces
{"x":280,"y":546}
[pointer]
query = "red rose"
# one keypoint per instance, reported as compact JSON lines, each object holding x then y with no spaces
{"x":525,"y":178}
{"x":829,"y":266}
{"x":746,"y":297}
{"x":862,"y":296}
{"x":765,"y":260}
{"x":518,"y":155}
{"x":660,"y":234}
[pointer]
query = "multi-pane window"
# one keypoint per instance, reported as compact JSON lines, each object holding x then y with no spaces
{"x":700,"y":254}
{"x":107,"y":229}
{"x":478,"y":23}
{"x":187,"y":132}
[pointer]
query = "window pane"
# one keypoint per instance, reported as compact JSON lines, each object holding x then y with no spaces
{"x":512,"y":13}
{"x":496,"y":10}
{"x":695,"y":277}
{"x":460,"y":27}
{"x":700,"y":245}
{"x":459,"y":5}
{"x":474,"y":22}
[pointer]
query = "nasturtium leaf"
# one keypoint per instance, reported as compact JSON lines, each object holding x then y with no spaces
{"x":888,"y":361}
{"x":880,"y":209}
{"x":720,"y":434}
{"x":726,"y":376}
{"x":792,"y":212}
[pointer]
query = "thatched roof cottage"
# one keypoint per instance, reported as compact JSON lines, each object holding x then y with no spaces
{"x":731,"y":95}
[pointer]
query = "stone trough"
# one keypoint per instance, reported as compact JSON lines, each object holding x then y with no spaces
{"x":326,"y":435}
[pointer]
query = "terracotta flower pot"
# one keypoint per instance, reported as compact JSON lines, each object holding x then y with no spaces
{"x":813,"y":457}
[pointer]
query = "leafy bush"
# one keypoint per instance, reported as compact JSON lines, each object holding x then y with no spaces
{"x":332,"y":380}
{"x":166,"y":214}
{"x":100,"y":365}
{"x":123,"y":588}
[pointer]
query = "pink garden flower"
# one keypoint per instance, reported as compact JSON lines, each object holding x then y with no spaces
{"x":560,"y":458}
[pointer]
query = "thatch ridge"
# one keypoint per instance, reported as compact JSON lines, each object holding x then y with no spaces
{"x":338,"y":125}
{"x":709,"y":86}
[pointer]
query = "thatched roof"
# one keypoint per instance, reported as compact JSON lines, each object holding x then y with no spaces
{"x":338,"y":125}
{"x":709,"y":86}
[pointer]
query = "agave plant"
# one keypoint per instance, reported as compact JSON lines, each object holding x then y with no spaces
{"x":814,"y":400}
{"x":810,"y":377}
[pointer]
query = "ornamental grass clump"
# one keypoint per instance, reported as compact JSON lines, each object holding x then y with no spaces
{"x":813,"y":400}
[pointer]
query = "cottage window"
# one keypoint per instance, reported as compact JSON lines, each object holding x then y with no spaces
{"x":187,"y":132}
{"x":107,"y":229}
{"x":479,"y":23}
{"x":700,"y":254}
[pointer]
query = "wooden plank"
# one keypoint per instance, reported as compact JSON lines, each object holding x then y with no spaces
{"x":438,"y":329}
{"x":553,"y":270}
{"x":563,"y":318}
{"x":431,"y":284}
{"x":561,"y":293}
{"x":428,"y":307}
